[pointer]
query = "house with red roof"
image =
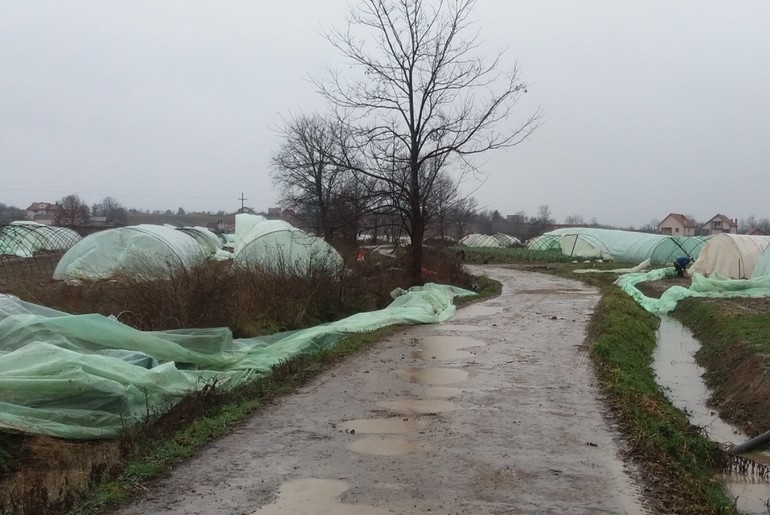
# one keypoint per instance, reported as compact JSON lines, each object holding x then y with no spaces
{"x":721,"y":224}
{"x":676,"y":224}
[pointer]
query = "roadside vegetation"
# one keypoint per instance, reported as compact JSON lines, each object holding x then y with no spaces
{"x":40,"y":475}
{"x":735,"y":351}
{"x":678,"y":460}
{"x":678,"y":463}
{"x":483,"y":256}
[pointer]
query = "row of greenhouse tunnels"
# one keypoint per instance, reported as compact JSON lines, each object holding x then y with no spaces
{"x":132,"y":249}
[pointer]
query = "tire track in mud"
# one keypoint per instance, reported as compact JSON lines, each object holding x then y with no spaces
{"x":493,"y":412}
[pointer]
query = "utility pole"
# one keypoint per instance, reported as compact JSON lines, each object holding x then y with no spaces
{"x":242,"y":199}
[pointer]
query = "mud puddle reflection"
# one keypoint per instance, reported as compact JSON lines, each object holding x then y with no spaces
{"x":433,"y":376}
{"x":316,"y":496}
{"x":446,"y":347}
{"x":383,"y":425}
{"x":385,"y":446}
{"x":461,"y":328}
{"x":477,"y":310}
{"x":422,"y":406}
{"x":677,"y":372}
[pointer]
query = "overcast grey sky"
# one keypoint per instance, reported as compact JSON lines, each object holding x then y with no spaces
{"x":649,"y":107}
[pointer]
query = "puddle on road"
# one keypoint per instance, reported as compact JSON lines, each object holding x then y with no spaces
{"x":677,"y":372}
{"x":477,"y":310}
{"x":315,"y":496}
{"x":441,"y":392}
{"x":461,"y":328}
{"x":384,"y":446}
{"x":446,"y":347}
{"x":557,"y":291}
{"x":433,"y":376}
{"x":419,"y":406}
{"x":383,"y":425}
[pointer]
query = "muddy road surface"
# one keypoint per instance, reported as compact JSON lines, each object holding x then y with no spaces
{"x":493,"y":412}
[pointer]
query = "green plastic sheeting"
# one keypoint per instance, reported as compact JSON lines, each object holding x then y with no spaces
{"x":762,"y":267}
{"x":616,"y":245}
{"x":498,"y":240}
{"x":90,"y":377}
{"x":279,"y":246}
{"x":137,"y":250}
{"x":715,"y":287}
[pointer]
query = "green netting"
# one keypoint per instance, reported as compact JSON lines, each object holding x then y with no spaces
{"x":715,"y":286}
{"x":616,"y":245}
{"x":89,"y":376}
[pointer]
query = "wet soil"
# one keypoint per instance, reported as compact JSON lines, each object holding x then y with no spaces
{"x":494,"y":412}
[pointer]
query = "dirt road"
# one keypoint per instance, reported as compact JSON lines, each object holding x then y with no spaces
{"x":493,"y":412}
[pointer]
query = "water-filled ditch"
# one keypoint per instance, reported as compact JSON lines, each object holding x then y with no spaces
{"x":680,"y":376}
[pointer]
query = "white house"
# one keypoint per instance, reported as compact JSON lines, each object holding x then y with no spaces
{"x":676,"y":224}
{"x":721,"y":224}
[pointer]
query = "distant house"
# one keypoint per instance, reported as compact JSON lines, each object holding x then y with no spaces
{"x":676,"y":224}
{"x":721,"y":224}
{"x":43,"y":212}
{"x":756,"y":232}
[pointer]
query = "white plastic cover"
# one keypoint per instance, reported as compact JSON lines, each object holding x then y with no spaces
{"x":137,"y":249}
{"x":278,"y":245}
{"x":732,"y":256}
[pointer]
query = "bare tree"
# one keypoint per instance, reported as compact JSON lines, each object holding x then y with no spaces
{"x":764,"y":225}
{"x":462,"y":213}
{"x":574,"y":220}
{"x":422,"y":101}
{"x":543,"y":219}
{"x":111,"y":209}
{"x":73,"y":212}
{"x":440,"y":205}
{"x":308,"y":172}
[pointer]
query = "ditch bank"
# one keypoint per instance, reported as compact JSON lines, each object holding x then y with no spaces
{"x":681,"y":377}
{"x":735,"y":352}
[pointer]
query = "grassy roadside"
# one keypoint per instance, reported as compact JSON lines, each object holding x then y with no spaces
{"x":183,"y":431}
{"x":677,"y":460}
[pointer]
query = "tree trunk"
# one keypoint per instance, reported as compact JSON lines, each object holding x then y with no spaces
{"x":416,"y":264}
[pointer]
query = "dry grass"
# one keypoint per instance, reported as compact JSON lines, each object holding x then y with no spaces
{"x":43,"y":475}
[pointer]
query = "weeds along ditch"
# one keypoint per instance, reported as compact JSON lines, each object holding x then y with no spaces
{"x":678,"y":462}
{"x":41,"y":475}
